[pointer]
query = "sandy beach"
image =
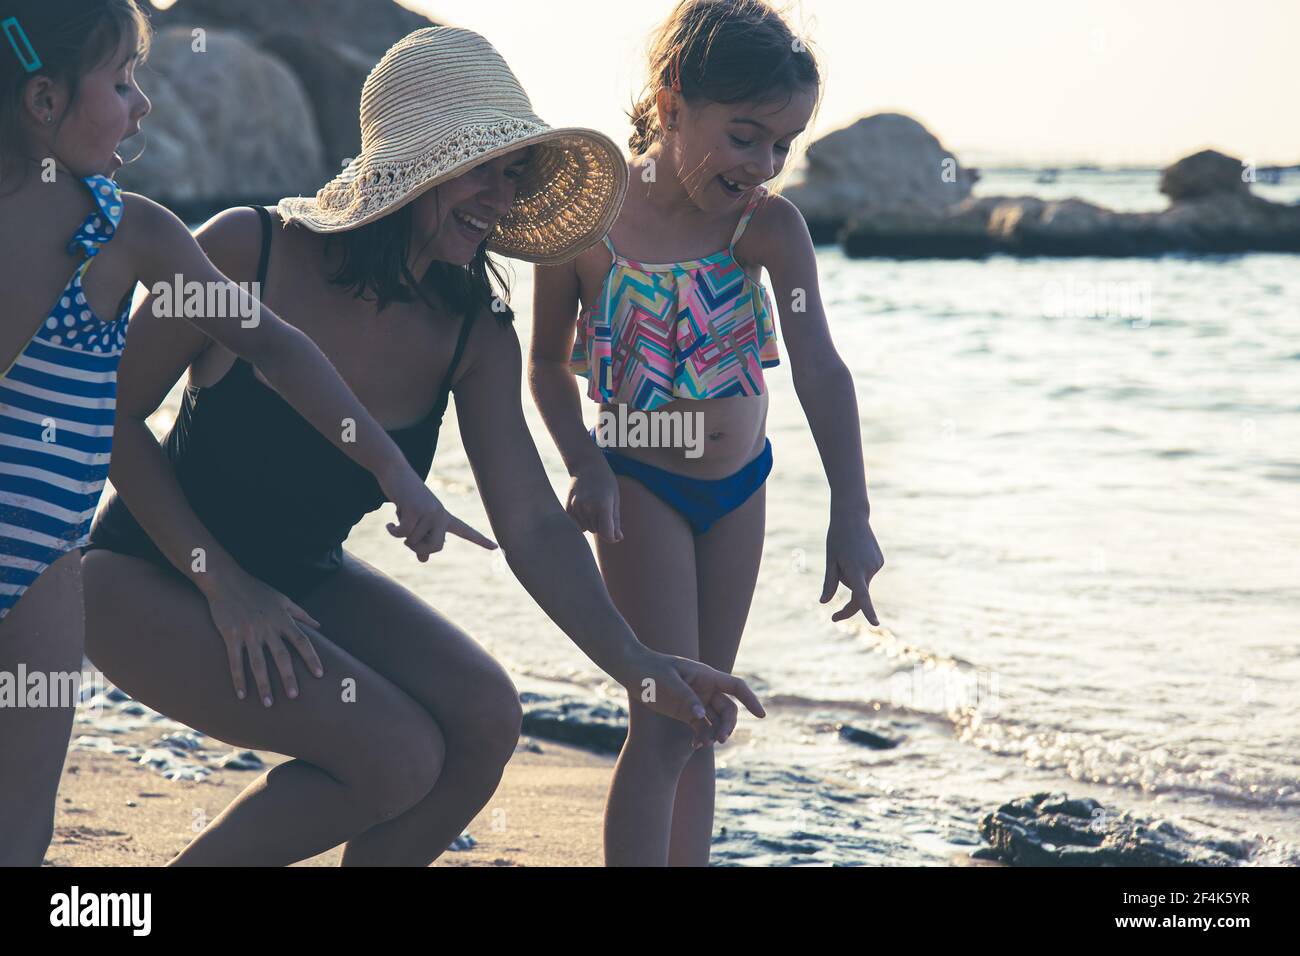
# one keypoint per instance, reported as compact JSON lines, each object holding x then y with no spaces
{"x":114,"y":812}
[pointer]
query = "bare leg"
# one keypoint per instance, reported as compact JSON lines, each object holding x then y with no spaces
{"x":465,"y":691}
{"x":650,"y":575}
{"x":727,"y":557}
{"x":360,"y":760}
{"x":44,"y":632}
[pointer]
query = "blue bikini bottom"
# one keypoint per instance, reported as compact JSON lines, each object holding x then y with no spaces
{"x":701,"y":501}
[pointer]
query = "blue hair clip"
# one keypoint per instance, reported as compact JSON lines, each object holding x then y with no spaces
{"x":26,"y":53}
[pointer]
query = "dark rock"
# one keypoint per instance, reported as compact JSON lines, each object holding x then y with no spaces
{"x":228,"y":119}
{"x":1048,"y":829}
{"x":179,"y":743}
{"x":371,"y":26}
{"x":867,"y":738}
{"x":1226,"y":220}
{"x":598,"y":727}
{"x":1206,"y":173}
{"x":240,"y":760}
{"x":271,"y":109}
{"x":916,"y":232}
{"x":333,"y":75}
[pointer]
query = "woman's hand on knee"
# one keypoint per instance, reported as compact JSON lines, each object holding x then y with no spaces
{"x":695,"y":694}
{"x":253,"y":619}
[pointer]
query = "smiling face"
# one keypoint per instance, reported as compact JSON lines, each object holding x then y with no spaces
{"x":723,"y":150}
{"x":85,"y":131}
{"x":451,"y":221}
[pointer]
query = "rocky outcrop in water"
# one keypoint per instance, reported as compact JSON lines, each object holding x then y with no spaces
{"x":267,"y":108}
{"x":1053,"y":830}
{"x":886,"y":164}
{"x":1211,"y":210}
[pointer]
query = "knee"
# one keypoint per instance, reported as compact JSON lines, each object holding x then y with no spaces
{"x":497,"y":721}
{"x":667,"y":742}
{"x":407,"y":766}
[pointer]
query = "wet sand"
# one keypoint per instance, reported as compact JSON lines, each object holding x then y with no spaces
{"x":113,"y":812}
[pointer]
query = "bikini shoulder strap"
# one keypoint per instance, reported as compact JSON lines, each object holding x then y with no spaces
{"x":264,"y":259}
{"x":241,"y":366}
{"x":760,"y":193}
{"x":440,"y":405}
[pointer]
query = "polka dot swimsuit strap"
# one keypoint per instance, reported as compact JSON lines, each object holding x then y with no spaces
{"x":72,"y":323}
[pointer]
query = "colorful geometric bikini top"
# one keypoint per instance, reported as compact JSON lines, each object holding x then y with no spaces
{"x":695,"y":329}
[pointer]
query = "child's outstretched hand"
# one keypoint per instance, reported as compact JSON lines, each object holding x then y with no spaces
{"x":852,"y":558}
{"x":593,"y":501}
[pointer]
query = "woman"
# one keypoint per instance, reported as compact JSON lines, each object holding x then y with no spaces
{"x":241,"y":519}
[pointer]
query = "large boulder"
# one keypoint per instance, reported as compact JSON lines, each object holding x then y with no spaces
{"x":370,"y":26}
{"x":270,"y":110}
{"x":885,"y":162}
{"x":236,"y":115}
{"x":176,"y":165}
{"x":333,"y":74}
{"x":1206,"y":173}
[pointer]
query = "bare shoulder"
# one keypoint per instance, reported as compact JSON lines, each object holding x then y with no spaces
{"x":778,"y":217}
{"x":232,"y":239}
{"x":147,"y":222}
{"x":776,"y":231}
{"x":492,"y":343}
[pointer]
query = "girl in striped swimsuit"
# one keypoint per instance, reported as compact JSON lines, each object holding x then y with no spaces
{"x":67,"y":99}
{"x":672,"y":321}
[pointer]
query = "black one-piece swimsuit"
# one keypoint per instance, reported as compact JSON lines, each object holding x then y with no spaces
{"x":277,"y":494}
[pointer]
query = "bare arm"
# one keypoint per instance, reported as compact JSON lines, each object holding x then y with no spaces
{"x":548,"y":554}
{"x":593,"y":495}
{"x":555,"y":309}
{"x":824,"y":385}
{"x":543,"y":546}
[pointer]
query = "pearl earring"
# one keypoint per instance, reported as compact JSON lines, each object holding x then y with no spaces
{"x":49,"y":117}
{"x":670,"y":125}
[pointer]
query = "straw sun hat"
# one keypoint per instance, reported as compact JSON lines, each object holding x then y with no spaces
{"x":441,"y":101}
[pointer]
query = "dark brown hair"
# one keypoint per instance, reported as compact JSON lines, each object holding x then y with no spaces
{"x":373,"y":265}
{"x":722,"y":51}
{"x":71,"y":38}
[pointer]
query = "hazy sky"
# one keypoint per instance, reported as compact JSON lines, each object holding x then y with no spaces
{"x":1105,"y":81}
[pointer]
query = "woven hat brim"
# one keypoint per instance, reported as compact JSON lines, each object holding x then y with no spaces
{"x":567,"y":202}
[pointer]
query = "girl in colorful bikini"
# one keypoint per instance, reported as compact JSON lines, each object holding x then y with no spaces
{"x":68,"y":98}
{"x":671,"y":317}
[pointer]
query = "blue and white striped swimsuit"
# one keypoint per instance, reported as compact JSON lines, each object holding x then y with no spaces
{"x":57,"y":402}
